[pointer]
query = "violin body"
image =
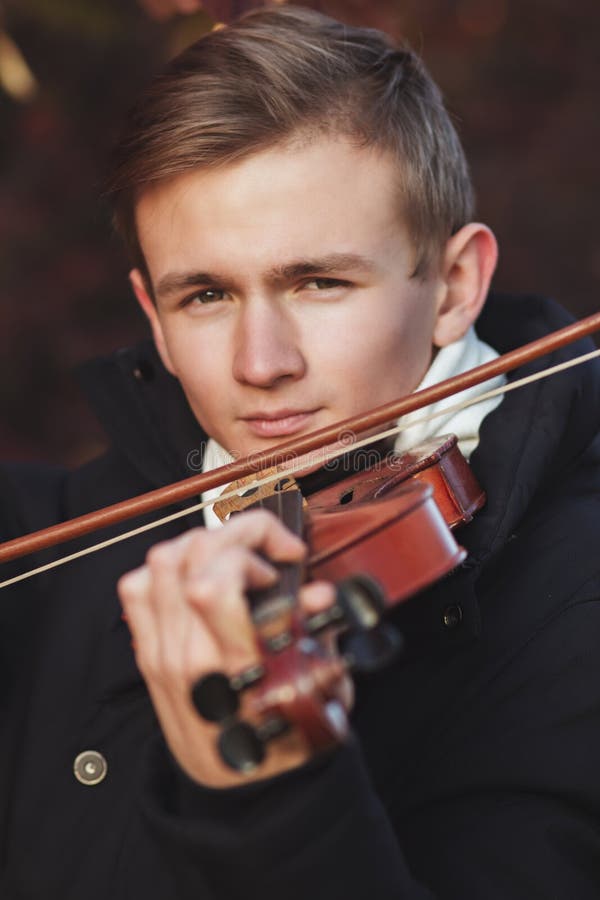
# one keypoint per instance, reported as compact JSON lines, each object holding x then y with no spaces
{"x":399,"y":538}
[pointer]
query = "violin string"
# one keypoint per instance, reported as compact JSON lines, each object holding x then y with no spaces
{"x":322,"y":457}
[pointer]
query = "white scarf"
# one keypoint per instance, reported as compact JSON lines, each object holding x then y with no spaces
{"x":454,"y":359}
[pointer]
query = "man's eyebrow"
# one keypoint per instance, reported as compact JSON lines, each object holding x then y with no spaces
{"x":331,"y":263}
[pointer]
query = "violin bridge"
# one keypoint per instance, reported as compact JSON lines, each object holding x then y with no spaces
{"x":249,"y":496}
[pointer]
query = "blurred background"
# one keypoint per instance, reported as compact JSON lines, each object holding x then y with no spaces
{"x":521,"y":77}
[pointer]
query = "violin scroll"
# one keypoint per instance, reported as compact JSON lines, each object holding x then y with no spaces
{"x":299,"y":683}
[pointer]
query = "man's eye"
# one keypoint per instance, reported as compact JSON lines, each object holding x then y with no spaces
{"x":323,"y":284}
{"x":208,"y":295}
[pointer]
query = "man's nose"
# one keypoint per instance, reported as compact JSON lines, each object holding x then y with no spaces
{"x":267,"y":346}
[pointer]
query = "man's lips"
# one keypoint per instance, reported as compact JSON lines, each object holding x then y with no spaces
{"x":279,"y":423}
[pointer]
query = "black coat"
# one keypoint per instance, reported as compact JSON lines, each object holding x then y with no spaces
{"x":474,"y":772}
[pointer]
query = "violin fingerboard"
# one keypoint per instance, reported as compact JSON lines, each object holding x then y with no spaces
{"x":277,"y":602}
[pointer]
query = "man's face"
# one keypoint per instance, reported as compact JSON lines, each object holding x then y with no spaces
{"x":284,"y":300}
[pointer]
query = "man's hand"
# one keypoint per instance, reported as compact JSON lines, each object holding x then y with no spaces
{"x":187,"y":612}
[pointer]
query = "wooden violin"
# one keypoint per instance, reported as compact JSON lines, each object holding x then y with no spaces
{"x":381,"y":536}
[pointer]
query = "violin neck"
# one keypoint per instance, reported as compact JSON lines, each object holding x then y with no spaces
{"x":271,"y":605}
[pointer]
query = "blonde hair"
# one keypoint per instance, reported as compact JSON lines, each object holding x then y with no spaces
{"x":286,"y":71}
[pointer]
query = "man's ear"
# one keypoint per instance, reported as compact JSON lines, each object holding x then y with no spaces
{"x":140,"y":290}
{"x":467,"y":267}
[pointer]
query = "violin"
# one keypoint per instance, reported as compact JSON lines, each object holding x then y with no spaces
{"x":380,"y":536}
{"x":353,"y":530}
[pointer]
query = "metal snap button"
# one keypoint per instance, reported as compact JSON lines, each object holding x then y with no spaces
{"x":90,"y":767}
{"x":452,"y":616}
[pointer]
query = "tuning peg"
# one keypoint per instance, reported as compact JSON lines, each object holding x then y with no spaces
{"x":365,"y":643}
{"x":242,"y":747}
{"x":361,"y":600}
{"x":216,"y":697}
{"x":359,"y":605}
{"x":368,"y":650}
{"x":321,"y":621}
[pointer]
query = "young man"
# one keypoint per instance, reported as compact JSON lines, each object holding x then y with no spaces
{"x":298,"y":211}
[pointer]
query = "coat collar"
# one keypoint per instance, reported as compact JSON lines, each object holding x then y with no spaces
{"x":534,"y":438}
{"x":145,"y":413}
